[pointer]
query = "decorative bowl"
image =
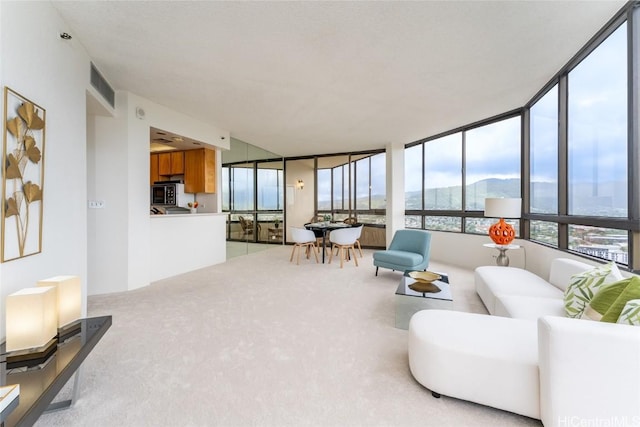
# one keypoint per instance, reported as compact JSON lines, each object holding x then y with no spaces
{"x":424,"y":276}
{"x":424,"y":287}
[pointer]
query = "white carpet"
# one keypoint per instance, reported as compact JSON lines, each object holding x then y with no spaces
{"x":259,"y":341}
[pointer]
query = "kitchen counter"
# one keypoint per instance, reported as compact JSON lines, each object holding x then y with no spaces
{"x":182,"y":243}
{"x":187,"y":215}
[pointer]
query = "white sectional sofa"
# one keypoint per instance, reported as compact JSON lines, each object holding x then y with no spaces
{"x":526,"y":357}
{"x":517,"y":293}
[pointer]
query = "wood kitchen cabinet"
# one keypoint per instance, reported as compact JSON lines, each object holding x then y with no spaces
{"x":171,"y":163}
{"x":177,"y":163}
{"x":200,"y":171}
{"x":164,"y":164}
{"x":155,"y":175}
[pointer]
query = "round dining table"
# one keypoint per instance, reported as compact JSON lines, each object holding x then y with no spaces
{"x":324,"y":227}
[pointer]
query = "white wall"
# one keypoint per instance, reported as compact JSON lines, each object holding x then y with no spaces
{"x":466,"y":251}
{"x":107,"y":245}
{"x":121,"y":251}
{"x":53,"y":73}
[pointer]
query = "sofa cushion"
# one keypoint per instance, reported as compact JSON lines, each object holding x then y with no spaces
{"x":630,"y":313}
{"x":608,"y":303}
{"x":583,"y":286}
{"x":528,"y":308}
{"x":494,"y":282}
{"x":563,"y":268}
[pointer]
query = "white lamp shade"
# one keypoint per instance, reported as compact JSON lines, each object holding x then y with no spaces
{"x":500,"y":207}
{"x":69,"y":301}
{"x":32,"y":320}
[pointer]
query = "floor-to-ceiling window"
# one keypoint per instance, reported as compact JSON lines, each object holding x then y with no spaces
{"x":352,"y":186}
{"x":597,"y":148}
{"x":580,"y":179}
{"x":579,"y":145}
{"x":543,"y":164}
{"x":492,"y":166}
{"x":448,"y":177}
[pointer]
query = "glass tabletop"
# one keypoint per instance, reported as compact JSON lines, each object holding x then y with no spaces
{"x":443,"y":284}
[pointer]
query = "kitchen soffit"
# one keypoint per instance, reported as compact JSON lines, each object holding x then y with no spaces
{"x":162,"y":140}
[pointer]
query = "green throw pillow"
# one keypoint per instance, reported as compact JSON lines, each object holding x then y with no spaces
{"x":583,"y":286}
{"x":608,"y":303}
{"x":630,"y":313}
{"x":631,"y":292}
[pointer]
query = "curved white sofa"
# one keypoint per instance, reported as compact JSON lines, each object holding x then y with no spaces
{"x":529,"y":359}
{"x":488,"y":360}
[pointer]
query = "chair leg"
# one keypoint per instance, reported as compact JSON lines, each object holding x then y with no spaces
{"x":355,"y":257}
{"x":298,"y":259}
{"x":341,"y":256}
{"x":377,"y":271}
{"x":315,"y":251}
{"x":359,"y":248}
{"x":330,"y":255}
{"x":293,"y":251}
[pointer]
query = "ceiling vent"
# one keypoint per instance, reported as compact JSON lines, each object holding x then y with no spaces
{"x":101,"y":85}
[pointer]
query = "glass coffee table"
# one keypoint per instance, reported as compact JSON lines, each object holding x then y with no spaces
{"x":408,"y":301}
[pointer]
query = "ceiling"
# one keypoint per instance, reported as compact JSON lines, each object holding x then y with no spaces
{"x":300,"y":78}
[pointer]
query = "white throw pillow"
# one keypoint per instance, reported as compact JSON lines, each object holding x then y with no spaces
{"x":583,"y":286}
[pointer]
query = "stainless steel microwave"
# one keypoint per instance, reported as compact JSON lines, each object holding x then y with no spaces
{"x":168,"y":194}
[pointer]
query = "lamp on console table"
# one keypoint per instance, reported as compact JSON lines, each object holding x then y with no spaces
{"x":32,"y":319}
{"x":502,"y":233}
{"x":69,"y":302}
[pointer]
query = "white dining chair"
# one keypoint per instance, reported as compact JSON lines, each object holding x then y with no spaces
{"x":303,"y":238}
{"x":344,"y":239}
{"x":354,"y":223}
{"x":360,"y":227}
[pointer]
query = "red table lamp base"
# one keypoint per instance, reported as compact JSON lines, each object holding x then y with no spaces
{"x":502,"y":233}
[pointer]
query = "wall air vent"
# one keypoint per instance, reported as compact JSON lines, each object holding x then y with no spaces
{"x":101,"y":85}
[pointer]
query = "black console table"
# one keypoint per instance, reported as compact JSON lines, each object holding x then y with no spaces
{"x":39,"y":386}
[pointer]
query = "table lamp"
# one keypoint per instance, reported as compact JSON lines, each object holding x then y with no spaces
{"x":32,"y":320}
{"x":69,"y":299}
{"x":497,"y":207}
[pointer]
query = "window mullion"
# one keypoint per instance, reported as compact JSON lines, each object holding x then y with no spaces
{"x":563,"y":164}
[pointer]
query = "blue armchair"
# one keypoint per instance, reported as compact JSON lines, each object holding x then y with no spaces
{"x":408,"y":251}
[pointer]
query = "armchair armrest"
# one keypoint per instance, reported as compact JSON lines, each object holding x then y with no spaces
{"x":589,"y":372}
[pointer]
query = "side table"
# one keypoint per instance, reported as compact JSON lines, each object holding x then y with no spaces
{"x":502,"y":260}
{"x":275,"y":234}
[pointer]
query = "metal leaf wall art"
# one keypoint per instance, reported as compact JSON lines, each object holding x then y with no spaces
{"x":22,"y":176}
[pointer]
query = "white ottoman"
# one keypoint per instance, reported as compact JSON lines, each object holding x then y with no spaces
{"x":484,"y":359}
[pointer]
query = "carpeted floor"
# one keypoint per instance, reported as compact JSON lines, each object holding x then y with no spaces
{"x":259,"y":341}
